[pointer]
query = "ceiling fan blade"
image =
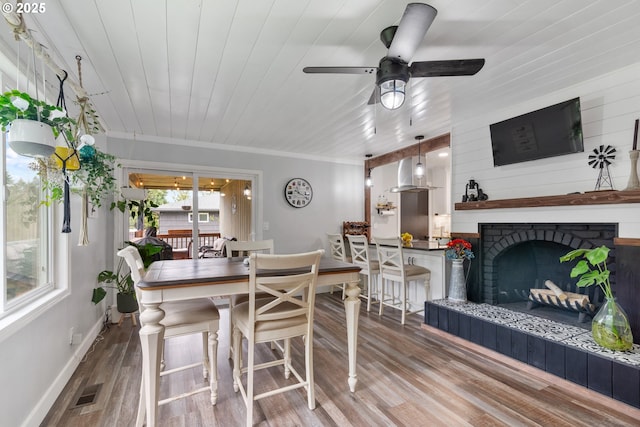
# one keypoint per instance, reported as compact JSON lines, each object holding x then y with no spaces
{"x":415,"y":22}
{"x":452,"y":67}
{"x":340,"y":70}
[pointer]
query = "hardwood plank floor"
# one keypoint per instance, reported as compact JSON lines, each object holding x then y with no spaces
{"x":408,"y":376}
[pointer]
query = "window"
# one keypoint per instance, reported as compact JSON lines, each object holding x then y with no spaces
{"x":202,"y":216}
{"x":26,"y":256}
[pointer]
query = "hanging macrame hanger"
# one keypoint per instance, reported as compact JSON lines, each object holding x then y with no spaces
{"x":66,"y":221}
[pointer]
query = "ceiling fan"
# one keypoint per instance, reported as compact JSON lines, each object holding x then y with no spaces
{"x":393,"y":72}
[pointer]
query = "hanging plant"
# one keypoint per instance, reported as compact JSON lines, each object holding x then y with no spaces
{"x":19,"y":105}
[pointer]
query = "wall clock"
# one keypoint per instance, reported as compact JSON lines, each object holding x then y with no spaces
{"x":298,"y":192}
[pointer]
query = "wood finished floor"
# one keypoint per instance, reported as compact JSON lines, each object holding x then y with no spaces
{"x":408,"y":376}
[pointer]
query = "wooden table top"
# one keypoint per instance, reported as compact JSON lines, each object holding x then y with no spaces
{"x":185,"y":272}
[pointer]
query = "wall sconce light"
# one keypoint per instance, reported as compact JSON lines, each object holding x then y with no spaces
{"x":247,"y":191}
{"x":419,"y":172}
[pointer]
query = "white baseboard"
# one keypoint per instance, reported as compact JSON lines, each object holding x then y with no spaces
{"x":49,"y":398}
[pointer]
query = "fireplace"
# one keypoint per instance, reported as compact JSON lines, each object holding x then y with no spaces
{"x":515,"y":257}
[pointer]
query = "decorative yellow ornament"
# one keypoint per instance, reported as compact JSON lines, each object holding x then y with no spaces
{"x":67,"y":154}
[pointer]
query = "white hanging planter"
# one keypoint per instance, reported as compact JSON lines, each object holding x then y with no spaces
{"x":132,"y":193}
{"x":31,"y":138}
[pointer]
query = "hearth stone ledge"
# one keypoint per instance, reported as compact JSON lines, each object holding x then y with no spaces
{"x":559,"y":349}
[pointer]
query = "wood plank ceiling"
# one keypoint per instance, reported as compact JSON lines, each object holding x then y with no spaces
{"x":229,"y":72}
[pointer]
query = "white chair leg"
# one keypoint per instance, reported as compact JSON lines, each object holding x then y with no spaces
{"x":142,"y":411}
{"x":382,"y":295}
{"x":213,"y":365}
{"x":368,"y":292}
{"x":250,"y":373}
{"x":403,"y":302}
{"x":308,"y":350}
{"x":236,"y":359}
{"x":205,"y":355}
{"x":287,"y":357}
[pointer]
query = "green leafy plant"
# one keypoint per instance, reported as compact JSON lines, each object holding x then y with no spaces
{"x":592,"y":269}
{"x":10,"y":109}
{"x":138,"y":208}
{"x":610,"y":326}
{"x":96,"y":175}
{"x":121,"y":278}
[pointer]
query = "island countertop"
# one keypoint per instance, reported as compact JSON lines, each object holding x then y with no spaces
{"x":423,"y":245}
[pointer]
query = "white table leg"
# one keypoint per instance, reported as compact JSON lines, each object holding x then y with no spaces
{"x":352,"y":310}
{"x":151,"y":341}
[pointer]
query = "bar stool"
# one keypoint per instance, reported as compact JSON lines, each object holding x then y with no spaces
{"x":393,"y":269}
{"x":359,"y":245}
{"x":338,"y":252}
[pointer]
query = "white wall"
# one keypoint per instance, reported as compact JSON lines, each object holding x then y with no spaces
{"x":37,"y":359}
{"x":338,"y":189}
{"x":610,"y":104}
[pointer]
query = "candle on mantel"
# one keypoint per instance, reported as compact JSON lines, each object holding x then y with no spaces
{"x":635,"y":136}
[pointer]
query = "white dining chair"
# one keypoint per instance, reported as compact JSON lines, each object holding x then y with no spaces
{"x":393,"y":269}
{"x":359,"y":245}
{"x":243,"y":248}
{"x":338,"y":252}
{"x":287,"y":314}
{"x":181,"y":318}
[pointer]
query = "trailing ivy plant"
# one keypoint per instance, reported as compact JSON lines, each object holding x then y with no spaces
{"x":138,"y":209}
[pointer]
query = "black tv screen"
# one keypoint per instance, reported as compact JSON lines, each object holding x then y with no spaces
{"x":548,"y":132}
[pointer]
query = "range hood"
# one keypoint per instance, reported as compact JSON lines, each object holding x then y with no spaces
{"x":406,"y":180}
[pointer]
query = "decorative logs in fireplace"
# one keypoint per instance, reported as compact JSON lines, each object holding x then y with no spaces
{"x":556,"y":297}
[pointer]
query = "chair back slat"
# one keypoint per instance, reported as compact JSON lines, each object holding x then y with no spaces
{"x":336,"y":247}
{"x":390,"y":256}
{"x":291,"y":284}
{"x":244,"y":248}
{"x":359,"y":246}
{"x":136,"y":266}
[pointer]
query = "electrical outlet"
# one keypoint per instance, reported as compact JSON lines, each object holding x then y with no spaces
{"x":76,"y":339}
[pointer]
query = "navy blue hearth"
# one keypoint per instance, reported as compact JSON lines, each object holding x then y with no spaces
{"x":566,"y":351}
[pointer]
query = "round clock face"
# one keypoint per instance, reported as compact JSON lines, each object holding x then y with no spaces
{"x":298,"y":192}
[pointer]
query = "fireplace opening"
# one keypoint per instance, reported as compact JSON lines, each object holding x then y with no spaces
{"x":518,"y":257}
{"x":528,"y":265}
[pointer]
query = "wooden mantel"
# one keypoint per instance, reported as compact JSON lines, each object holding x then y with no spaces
{"x":606,"y":197}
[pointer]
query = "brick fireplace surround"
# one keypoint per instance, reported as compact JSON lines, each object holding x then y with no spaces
{"x":563,"y":350}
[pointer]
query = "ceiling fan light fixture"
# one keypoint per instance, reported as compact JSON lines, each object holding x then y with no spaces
{"x":392,"y":93}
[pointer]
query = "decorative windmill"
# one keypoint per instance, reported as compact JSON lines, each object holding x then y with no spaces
{"x":601,"y":158}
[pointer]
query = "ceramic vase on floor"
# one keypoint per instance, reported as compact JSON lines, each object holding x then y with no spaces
{"x":610,"y":327}
{"x":457,"y":282}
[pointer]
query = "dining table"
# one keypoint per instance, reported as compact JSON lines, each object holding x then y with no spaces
{"x":177,"y":280}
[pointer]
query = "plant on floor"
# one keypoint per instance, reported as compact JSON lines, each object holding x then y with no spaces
{"x":120,"y":279}
{"x":610,"y":327}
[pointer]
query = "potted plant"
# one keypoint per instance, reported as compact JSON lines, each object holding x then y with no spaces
{"x":33,"y":125}
{"x":457,"y":251}
{"x":121,"y":280}
{"x":610,"y":326}
{"x":123,"y":283}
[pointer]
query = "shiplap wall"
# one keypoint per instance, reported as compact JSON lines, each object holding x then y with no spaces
{"x":610,"y":104}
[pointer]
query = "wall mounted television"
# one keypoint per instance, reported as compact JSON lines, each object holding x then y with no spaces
{"x":552,"y":131}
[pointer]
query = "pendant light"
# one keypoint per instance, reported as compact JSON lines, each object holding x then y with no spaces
{"x":368,"y":182}
{"x":419,"y":171}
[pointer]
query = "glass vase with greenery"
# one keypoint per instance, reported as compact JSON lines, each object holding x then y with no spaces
{"x":610,"y":326}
